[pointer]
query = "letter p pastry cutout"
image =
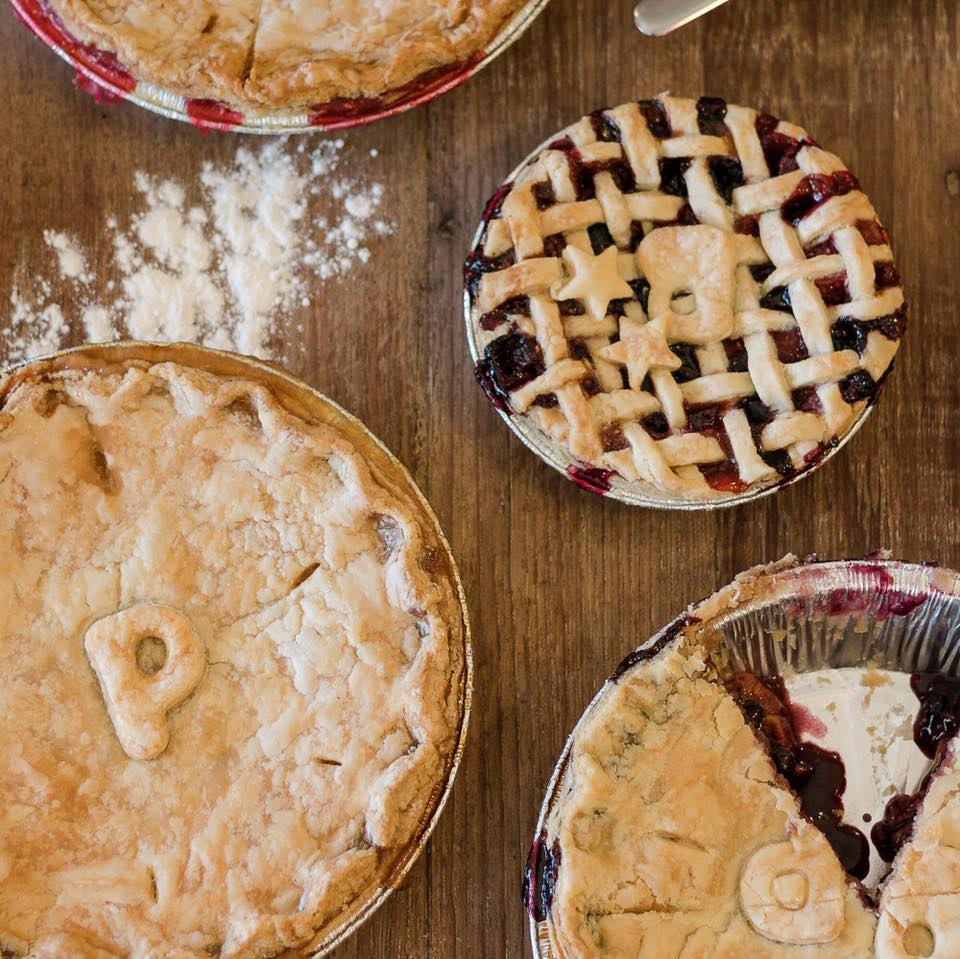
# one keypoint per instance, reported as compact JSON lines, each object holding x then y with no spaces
{"x":139,"y":697}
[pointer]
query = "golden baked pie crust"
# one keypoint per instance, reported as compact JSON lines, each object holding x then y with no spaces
{"x":304,"y":762}
{"x":272,"y":54}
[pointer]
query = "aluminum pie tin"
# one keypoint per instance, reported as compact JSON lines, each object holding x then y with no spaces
{"x":309,"y":404}
{"x":797,"y":619}
{"x":596,"y":480}
{"x":101,"y":74}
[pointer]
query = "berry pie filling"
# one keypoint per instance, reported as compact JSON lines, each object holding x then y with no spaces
{"x":684,"y":294}
{"x":694,"y":818}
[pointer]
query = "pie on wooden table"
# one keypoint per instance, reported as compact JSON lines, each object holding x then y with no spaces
{"x":285,"y":53}
{"x":229,"y":672}
{"x":682,"y":829}
{"x":675,"y":836}
{"x":691,"y":295}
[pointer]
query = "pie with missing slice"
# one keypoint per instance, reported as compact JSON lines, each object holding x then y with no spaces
{"x":675,"y":833}
{"x":275,"y":54}
{"x":690,"y":296}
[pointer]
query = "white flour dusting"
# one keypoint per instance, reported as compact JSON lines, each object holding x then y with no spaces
{"x":221,"y":271}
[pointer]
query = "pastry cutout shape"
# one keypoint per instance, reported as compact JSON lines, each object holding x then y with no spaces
{"x":137,"y":700}
{"x":642,"y":347}
{"x":793,"y":892}
{"x":596,"y":280}
{"x":698,"y":260}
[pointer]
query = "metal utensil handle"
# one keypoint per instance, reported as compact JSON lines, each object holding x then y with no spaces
{"x":658,"y":17}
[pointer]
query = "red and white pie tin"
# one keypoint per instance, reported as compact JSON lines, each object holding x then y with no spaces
{"x":102,"y":75}
{"x":313,"y":406}
{"x":824,"y":627}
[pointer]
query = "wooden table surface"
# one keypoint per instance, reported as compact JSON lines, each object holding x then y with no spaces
{"x":562,"y":583}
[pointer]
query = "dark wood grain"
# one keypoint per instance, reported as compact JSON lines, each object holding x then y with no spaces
{"x":561,"y":583}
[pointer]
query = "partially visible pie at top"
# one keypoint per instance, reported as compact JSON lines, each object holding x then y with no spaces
{"x":689,"y":294}
{"x":230,"y":668}
{"x":285,"y":53}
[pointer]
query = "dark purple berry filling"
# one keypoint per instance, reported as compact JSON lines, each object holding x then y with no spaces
{"x":816,"y":775}
{"x":591,"y":478}
{"x":814,"y":190}
{"x":791,"y":347}
{"x":938,"y":719}
{"x":544,"y":194}
{"x":672,"y":170}
{"x":777,"y":299}
{"x":518,"y":305}
{"x":656,"y":118}
{"x":737,"y":359}
{"x":540,"y":877}
{"x":727,"y":175}
{"x":780,"y":150}
{"x":834,"y":289}
{"x":886,"y":275}
{"x":859,"y":385}
{"x":604,"y":128}
{"x":689,"y":368}
{"x":508,"y":363}
{"x":600,"y":237}
{"x":711,"y":114}
{"x":477,"y":264}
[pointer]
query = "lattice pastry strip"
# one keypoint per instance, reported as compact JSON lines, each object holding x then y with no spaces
{"x":692,"y":295}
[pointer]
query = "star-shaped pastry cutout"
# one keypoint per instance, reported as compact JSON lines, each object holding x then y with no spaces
{"x":596,"y":280}
{"x":642,"y":347}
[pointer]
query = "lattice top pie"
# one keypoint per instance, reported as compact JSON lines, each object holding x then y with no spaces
{"x":229,"y":671}
{"x":285,"y":53}
{"x":692,"y":295}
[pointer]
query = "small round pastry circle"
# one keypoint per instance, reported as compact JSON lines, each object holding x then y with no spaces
{"x":793,"y":891}
{"x":255,"y":789}
{"x":686,"y":301}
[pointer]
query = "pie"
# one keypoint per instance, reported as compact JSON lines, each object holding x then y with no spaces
{"x":231,"y":670}
{"x":286,"y":53}
{"x":689,"y":295}
{"x":676,"y":834}
{"x":663,"y":856}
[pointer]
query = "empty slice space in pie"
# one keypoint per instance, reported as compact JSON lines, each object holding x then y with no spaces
{"x":231,"y":672}
{"x":690,"y":297}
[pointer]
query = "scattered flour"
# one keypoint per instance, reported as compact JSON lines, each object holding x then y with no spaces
{"x":220,"y":272}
